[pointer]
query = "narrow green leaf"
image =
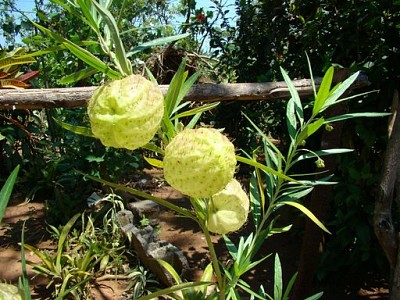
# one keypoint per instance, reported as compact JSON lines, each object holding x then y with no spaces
{"x":291,"y":122}
{"x":308,"y":213}
{"x":171,"y":98}
{"x":293,"y":196}
{"x":316,"y":296}
{"x":191,"y":112}
{"x":278,"y":282}
{"x":339,"y":91}
{"x":206,"y":277}
{"x":309,"y":130}
{"x":25,"y":279}
{"x":289,"y":287}
{"x":181,"y":210}
{"x":265,"y":168}
{"x":356,"y":115}
{"x":82,"y":130}
{"x":62,"y":238}
{"x":322,"y":153}
{"x":81,"y":74}
{"x":323,"y":91}
{"x":170,"y":270}
{"x":120,"y":58}
{"x":193,"y":121}
{"x":295,"y":96}
{"x":81,"y":53}
{"x":57,"y":48}
{"x":255,"y":200}
{"x":231,"y":247}
{"x":156,"y":42}
{"x":153,"y":148}
{"x":6,"y":191}
{"x":154,"y":162}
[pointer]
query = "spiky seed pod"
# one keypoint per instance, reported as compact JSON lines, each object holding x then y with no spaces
{"x":228,"y":209}
{"x":126,"y":113}
{"x":199,"y":162}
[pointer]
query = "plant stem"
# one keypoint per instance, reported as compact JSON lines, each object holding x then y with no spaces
{"x":214,"y":261}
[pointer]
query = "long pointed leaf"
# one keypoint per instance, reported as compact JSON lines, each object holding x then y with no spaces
{"x":308,"y":213}
{"x":339,"y":91}
{"x":295,"y":96}
{"x":120,"y":59}
{"x":82,"y":130}
{"x":356,"y":115}
{"x":278,"y":281}
{"x":156,"y":42}
{"x":323,"y":91}
{"x":6,"y":191}
{"x":265,"y":168}
{"x":81,"y":53}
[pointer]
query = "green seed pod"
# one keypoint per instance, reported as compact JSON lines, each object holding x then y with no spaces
{"x":199,"y":162}
{"x":126,"y":113}
{"x":228,"y":209}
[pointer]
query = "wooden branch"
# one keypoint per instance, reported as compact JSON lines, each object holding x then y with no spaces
{"x":77,"y":97}
{"x":383,"y":223}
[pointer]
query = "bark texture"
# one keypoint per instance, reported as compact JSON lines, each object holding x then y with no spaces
{"x":77,"y":97}
{"x":385,"y":230}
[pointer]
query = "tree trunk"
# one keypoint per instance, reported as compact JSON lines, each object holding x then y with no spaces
{"x":385,"y":230}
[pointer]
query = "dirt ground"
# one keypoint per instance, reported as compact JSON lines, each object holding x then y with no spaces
{"x":182,"y":233}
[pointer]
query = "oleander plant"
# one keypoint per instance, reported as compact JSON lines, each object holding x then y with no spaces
{"x":129,"y":111}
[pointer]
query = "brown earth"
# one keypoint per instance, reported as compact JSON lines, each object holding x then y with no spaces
{"x":182,"y":233}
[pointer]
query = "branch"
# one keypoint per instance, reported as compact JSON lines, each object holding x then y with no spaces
{"x":78,"y":96}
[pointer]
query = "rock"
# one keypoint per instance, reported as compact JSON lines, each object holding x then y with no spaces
{"x":146,"y":208}
{"x":149,"y":249}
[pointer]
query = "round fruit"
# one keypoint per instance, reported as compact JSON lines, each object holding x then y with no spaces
{"x":126,"y":113}
{"x":199,"y":162}
{"x":228,"y":209}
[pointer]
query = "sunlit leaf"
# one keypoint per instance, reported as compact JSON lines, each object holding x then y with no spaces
{"x":291,"y":122}
{"x":323,"y":91}
{"x":295,"y":96}
{"x":309,"y":130}
{"x":81,"y":74}
{"x":339,"y":91}
{"x":154,"y":162}
{"x":82,"y":130}
{"x":356,"y":115}
{"x":308,"y":213}
{"x":203,"y":108}
{"x":156,"y":42}
{"x":6,"y":190}
{"x":81,"y":53}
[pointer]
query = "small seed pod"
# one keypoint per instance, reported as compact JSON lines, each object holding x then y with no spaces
{"x":199,"y":162}
{"x":126,"y":113}
{"x":228,"y":209}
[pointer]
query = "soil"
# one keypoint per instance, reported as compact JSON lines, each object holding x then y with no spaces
{"x":182,"y":233}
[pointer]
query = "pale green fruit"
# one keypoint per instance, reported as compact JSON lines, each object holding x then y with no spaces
{"x":126,"y":113}
{"x":9,"y":292}
{"x":228,"y":209}
{"x":199,"y":162}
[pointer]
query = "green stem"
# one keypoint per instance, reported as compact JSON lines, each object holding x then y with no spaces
{"x":215,"y":262}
